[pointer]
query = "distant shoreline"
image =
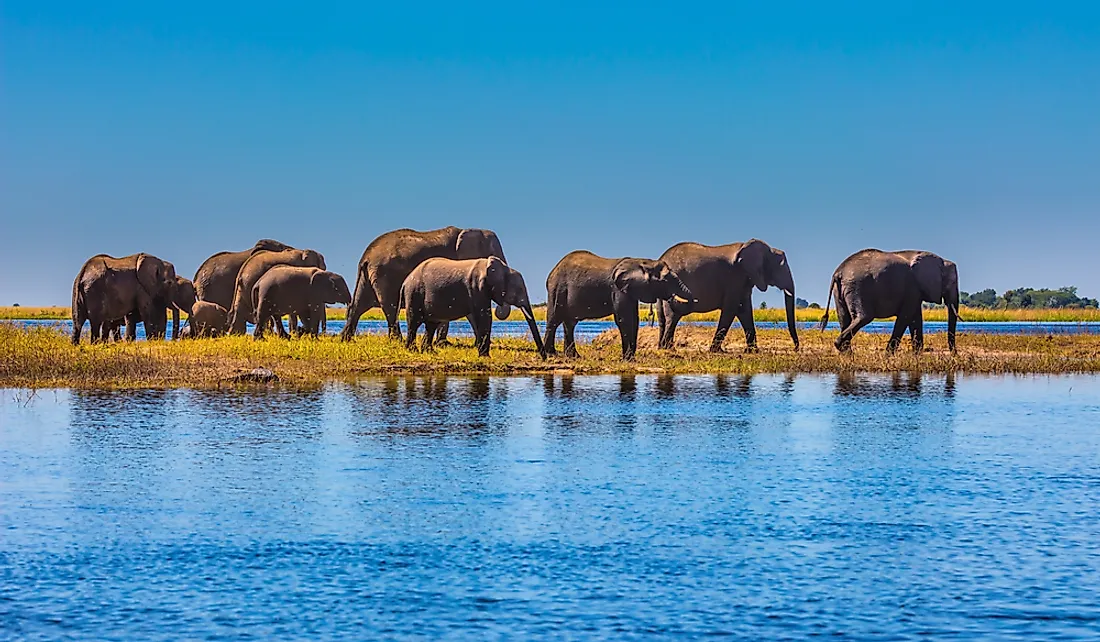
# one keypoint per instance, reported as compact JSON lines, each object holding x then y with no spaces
{"x":44,"y":358}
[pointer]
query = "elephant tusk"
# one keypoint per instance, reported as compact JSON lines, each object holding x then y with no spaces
{"x":679,"y":299}
{"x":788,"y":292}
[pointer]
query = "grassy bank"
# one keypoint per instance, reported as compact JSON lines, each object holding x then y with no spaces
{"x":43,"y":357}
{"x":774,"y":315}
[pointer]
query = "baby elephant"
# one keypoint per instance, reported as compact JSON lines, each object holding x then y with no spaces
{"x":301,"y":291}
{"x":207,"y":319}
{"x":439,"y":291}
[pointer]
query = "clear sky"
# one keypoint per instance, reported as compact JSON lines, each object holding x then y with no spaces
{"x":968,"y":128}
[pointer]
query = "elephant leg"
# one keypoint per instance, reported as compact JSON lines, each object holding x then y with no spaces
{"x":444,"y":331}
{"x":662,"y":322}
{"x":131,"y":326}
{"x":901,"y":322}
{"x":362,"y":300}
{"x":626,"y":317}
{"x":725,"y":319}
{"x":570,"y":347}
{"x":390,"y":310}
{"x":412,"y":321}
{"x":280,"y":330}
{"x":79,"y":318}
{"x":428,"y":344}
{"x":551,"y":333}
{"x":744,"y":315}
{"x":916,"y":333}
{"x":482,"y":322}
{"x":844,"y":341}
{"x":262,"y":319}
{"x":671,"y":319}
{"x":843,"y":314}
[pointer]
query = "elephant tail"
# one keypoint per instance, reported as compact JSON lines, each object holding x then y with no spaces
{"x":828,"y":302}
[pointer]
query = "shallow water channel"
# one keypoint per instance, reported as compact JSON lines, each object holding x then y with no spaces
{"x":766,"y":507}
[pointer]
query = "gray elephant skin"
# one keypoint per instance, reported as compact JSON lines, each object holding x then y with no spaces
{"x":872,"y":284}
{"x":132,"y":288}
{"x":300,"y":291}
{"x":439,"y":291}
{"x":257,"y":265}
{"x":182,"y":300}
{"x":216,"y":278}
{"x":722,"y":278}
{"x":586,"y":286}
{"x":207,"y":320}
{"x":391,"y":257}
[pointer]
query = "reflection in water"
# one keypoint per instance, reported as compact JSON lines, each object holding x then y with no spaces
{"x":454,"y":506}
{"x":895,"y":385}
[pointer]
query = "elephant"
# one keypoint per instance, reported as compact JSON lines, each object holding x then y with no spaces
{"x":872,"y":284}
{"x":241,"y":312}
{"x":390,"y":258}
{"x":130,"y":288}
{"x":302,"y":291}
{"x":439,"y":291}
{"x":208,"y":319}
{"x":217,"y":276}
{"x":182,"y":300}
{"x":721,"y":278}
{"x":586,"y":286}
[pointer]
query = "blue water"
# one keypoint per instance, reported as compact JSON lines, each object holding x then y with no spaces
{"x":621,"y":507}
{"x":588,"y":330}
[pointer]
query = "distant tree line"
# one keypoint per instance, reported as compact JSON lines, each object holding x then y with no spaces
{"x":1027,"y":298}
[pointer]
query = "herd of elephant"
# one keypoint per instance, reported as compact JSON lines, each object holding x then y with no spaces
{"x":443,"y":275}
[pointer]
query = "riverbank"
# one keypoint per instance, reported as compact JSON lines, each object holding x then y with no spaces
{"x":774,"y":315}
{"x":43,"y":357}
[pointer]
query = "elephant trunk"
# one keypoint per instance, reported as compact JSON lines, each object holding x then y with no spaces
{"x":682,"y":300}
{"x":530,"y":316}
{"x":788,"y":302}
{"x":952,"y":317}
{"x":175,"y":323}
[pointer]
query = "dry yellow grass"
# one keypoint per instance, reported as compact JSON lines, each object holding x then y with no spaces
{"x":776,"y":315}
{"x":43,"y":357}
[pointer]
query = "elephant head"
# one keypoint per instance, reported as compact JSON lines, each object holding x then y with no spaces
{"x":753,"y":257}
{"x":184,"y":296}
{"x":648,"y":281}
{"x":313,"y":258}
{"x":330,"y":287}
{"x":777,"y":273}
{"x":476,"y":243}
{"x":270,"y":245}
{"x":938,"y":281}
{"x":158,"y":278}
{"x":507,"y":288}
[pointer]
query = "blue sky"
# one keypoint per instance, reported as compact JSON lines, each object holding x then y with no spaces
{"x":822,"y":128}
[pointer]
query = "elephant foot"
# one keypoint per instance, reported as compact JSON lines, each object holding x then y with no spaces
{"x":751,"y":350}
{"x":716,"y":349}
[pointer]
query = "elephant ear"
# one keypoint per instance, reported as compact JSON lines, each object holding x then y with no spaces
{"x":149,"y":274}
{"x":752,"y":257}
{"x":928,"y":269}
{"x":476,"y":243}
{"x":633,"y":280}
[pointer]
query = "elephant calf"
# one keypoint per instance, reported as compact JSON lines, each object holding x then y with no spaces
{"x":440,"y":290}
{"x":585,"y":286}
{"x":300,"y":291}
{"x":208,"y":319}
